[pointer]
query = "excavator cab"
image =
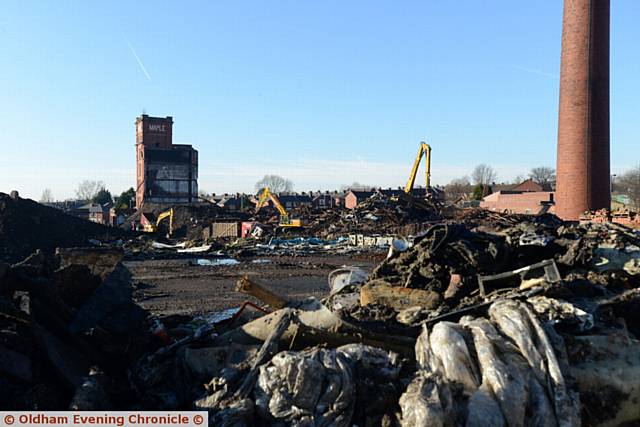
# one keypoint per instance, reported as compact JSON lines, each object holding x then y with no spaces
{"x":162,"y":216}
{"x":152,"y":228}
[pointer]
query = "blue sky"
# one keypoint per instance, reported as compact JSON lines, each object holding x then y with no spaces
{"x":324,"y":93}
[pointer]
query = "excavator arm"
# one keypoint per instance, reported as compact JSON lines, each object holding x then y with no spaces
{"x":425,"y":149}
{"x":268,"y":195}
{"x":264,"y":196}
{"x":164,"y":215}
{"x":284,"y":216}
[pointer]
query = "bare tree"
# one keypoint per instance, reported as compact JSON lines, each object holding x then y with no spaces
{"x":519,"y":179}
{"x":629,"y":184}
{"x":483,"y":174}
{"x":543,"y":175}
{"x":276,"y":184}
{"x":459,"y":187}
{"x":47,"y":196}
{"x":88,"y":189}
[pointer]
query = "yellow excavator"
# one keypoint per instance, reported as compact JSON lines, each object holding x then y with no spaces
{"x":152,"y":228}
{"x":285,"y":221}
{"x":423,"y":150}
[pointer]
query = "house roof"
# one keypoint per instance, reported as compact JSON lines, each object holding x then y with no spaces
{"x":97,"y":208}
{"x":531,"y":185}
{"x":324,"y":196}
{"x":361,"y":194}
{"x":293,"y":198}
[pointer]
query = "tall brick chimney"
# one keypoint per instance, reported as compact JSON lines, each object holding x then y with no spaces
{"x":583,"y":170}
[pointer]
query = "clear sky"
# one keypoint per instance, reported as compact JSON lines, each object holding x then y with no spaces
{"x":324,"y":93}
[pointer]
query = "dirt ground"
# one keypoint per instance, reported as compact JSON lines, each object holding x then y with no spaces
{"x":180,"y":286}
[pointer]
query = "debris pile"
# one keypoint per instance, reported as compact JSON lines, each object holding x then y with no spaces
{"x":68,"y":331}
{"x":26,"y":226}
{"x":188,"y":220}
{"x":376,"y":215}
{"x":494,"y":321}
{"x":486,"y":319}
{"x":618,"y":216}
{"x":505,"y":370}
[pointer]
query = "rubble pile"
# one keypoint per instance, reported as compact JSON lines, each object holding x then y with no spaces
{"x":456,"y":260}
{"x":68,"y":331}
{"x":26,"y":226}
{"x":618,"y":216}
{"x":377,"y":215}
{"x":499,"y":320}
{"x":485,"y":319}
{"x":188,"y":220}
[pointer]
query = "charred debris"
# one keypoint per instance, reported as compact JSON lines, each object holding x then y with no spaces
{"x":476,"y":319}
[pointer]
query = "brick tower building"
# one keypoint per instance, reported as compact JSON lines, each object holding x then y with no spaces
{"x":166,"y":173}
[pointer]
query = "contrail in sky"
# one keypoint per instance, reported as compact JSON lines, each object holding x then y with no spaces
{"x":144,"y":70}
{"x":534,"y":71}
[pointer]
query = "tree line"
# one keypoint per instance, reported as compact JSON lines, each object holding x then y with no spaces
{"x":483,"y":178}
{"x":478,"y":184}
{"x":91,"y":191}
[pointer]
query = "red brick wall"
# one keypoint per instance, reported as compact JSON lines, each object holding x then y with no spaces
{"x":154,"y":131}
{"x":523,"y":203}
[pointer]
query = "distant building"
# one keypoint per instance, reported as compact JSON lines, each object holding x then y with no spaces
{"x":81,"y":210}
{"x":339,"y":198}
{"x":92,"y":212}
{"x":165,"y":172}
{"x":290,"y":201}
{"x":117,"y":216}
{"x":354,"y":197}
{"x":520,"y":202}
{"x":235,"y":202}
{"x":531,"y":186}
{"x":99,"y":213}
{"x":528,"y":197}
{"x":324,"y":200}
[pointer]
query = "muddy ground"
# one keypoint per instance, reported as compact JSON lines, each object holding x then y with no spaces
{"x":178,"y":286}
